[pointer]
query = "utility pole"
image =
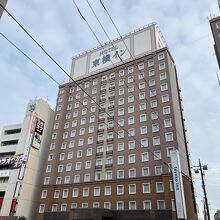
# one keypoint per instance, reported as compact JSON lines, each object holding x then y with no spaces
{"x":206,"y":206}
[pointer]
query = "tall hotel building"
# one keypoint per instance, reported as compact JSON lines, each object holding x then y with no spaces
{"x":113,"y":151}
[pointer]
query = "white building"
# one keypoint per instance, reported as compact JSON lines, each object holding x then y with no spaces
{"x":23,"y":149}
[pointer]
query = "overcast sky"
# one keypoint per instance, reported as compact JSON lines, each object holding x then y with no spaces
{"x":59,"y":28}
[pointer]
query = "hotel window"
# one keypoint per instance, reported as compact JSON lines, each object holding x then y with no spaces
{"x":89,"y":152}
{"x":95,"y":82}
{"x":44,"y":194}
{"x":158,"y":170}
{"x":73,"y":205}
{"x":78,"y":96}
{"x":58,"y":180}
{"x":121,"y":91}
{"x":107,"y":190}
{"x":94,"y":91}
{"x":131,"y":120}
{"x":156,"y":141}
{"x":92,"y":109}
{"x":88,"y":164}
{"x":161,"y":56}
{"x":150,"y":63}
{"x":163,"y":76}
{"x":75,"y":192}
{"x":65,"y":135}
{"x":120,"y":174}
{"x":71,"y":144}
{"x":72,"y":90}
{"x":153,"y":93}
{"x":153,"y":104}
{"x":161,"y":204}
{"x":76,"y":105}
{"x":154,"y":115}
{"x":130,"y":79}
{"x":120,"y":146}
{"x":121,"y":82}
{"x":169,"y":136}
{"x":54,"y":207}
{"x":48,"y":169}
{"x":167,"y":123}
{"x":143,"y":129}
{"x":141,"y":75}
{"x":65,"y":193}
{"x":120,"y":111}
{"x":78,"y":88}
{"x":121,"y":101}
{"x":76,"y":178}
{"x":131,"y":109}
{"x":131,"y":158}
{"x":86,"y":85}
{"x":120,"y":160}
{"x":104,"y":78}
{"x":144,"y":142}
{"x":130,"y":69}
{"x":54,"y":136}
{"x":120,"y":190}
{"x":166,"y":110}
{"x":157,"y":155}
{"x":70,"y":98}
{"x":151,"y":72}
{"x":63,"y":207}
{"x":85,"y":192}
{"x":155,"y":127}
{"x":66,"y":125}
{"x":146,"y":187}
{"x":68,"y":167}
{"x":141,"y":85}
{"x":162,"y":66}
{"x":130,"y":89}
{"x":78,"y":166}
{"x":131,"y":145}
{"x":92,"y":118}
{"x":132,"y":205}
{"x":143,"y":117}
{"x":141,"y":95}
{"x":68,"y":116}
{"x":107,"y":205}
{"x":159,"y":187}
{"x":108,"y":160}
{"x":84,"y":111}
{"x":120,"y":205}
{"x":169,"y":149}
{"x":80,"y":142}
{"x":142,"y":106}
{"x":69,"y":106}
{"x":132,"y":172}
{"x":152,"y":82}
{"x":56,"y":194}
{"x":130,"y":98}
{"x":83,"y":121}
{"x":108,"y":175}
{"x":99,"y":149}
{"x":85,"y":205}
{"x":74,"y":123}
{"x":56,"y":125}
{"x":91,"y":129}
{"x":145,"y":171}
{"x":75,"y":114}
{"x":50,"y":157}
{"x":95,"y":205}
{"x":165,"y":98}
{"x":82,"y":131}
{"x":121,"y":72}
{"x":73,"y":133}
{"x":164,"y":87}
{"x":41,"y":208}
{"x":132,"y":188}
{"x":97,"y":176}
{"x":96,"y":191}
{"x":57,"y":116}
{"x":131,"y":132}
{"x":67,"y":179}
{"x":145,"y":157}
{"x":140,"y":66}
{"x":146,"y":204}
{"x":120,"y":134}
{"x":171,"y":185}
{"x":60,"y":99}
{"x":90,"y":140}
{"x":62,"y":156}
{"x":60,"y":169}
{"x":121,"y":122}
{"x":79,"y":154}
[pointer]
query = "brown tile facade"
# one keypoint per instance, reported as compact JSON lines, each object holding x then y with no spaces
{"x":93,"y":154}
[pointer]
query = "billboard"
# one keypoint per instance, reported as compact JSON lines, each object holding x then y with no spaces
{"x":178,"y":185}
{"x":12,"y":162}
{"x":38,"y":132}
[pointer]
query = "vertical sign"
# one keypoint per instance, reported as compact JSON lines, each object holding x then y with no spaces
{"x":38,"y":132}
{"x":178,"y":185}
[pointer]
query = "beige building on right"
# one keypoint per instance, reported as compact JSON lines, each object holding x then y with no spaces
{"x":118,"y":130}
